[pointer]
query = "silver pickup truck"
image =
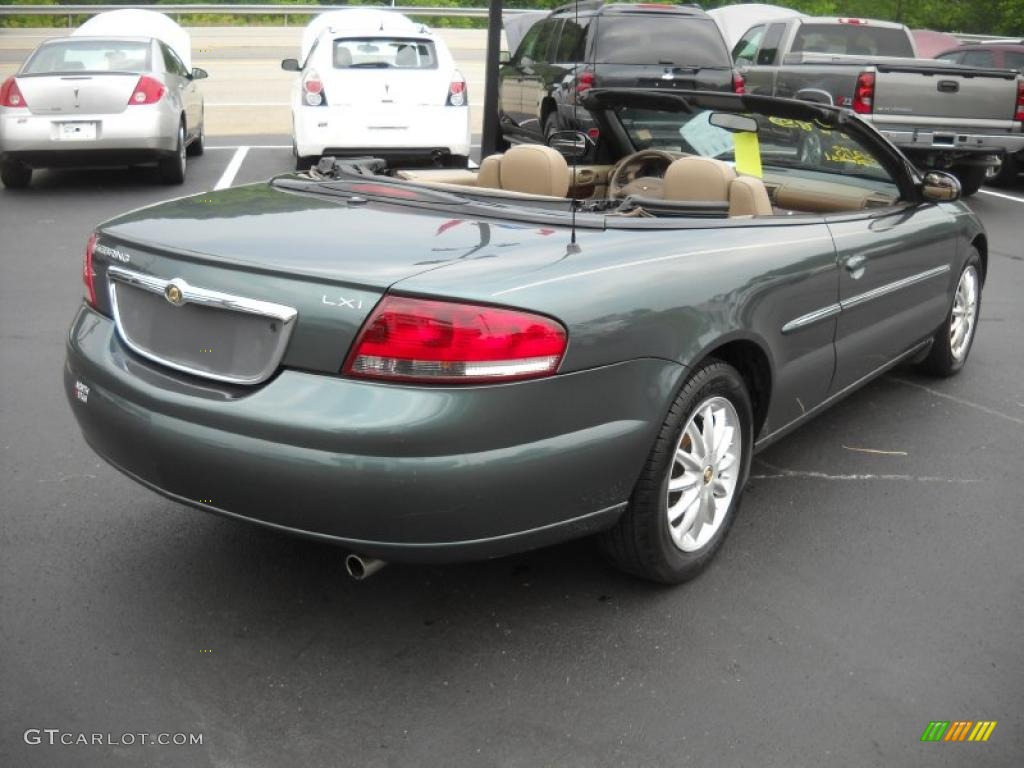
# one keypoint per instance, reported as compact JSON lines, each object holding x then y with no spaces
{"x":942,"y":115}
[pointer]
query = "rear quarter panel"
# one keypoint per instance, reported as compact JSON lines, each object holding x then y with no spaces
{"x":670,"y":294}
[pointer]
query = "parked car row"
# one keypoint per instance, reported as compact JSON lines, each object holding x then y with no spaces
{"x":373,"y":82}
{"x":964,"y":112}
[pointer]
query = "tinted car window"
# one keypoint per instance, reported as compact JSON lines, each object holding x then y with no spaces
{"x":770,"y":44}
{"x":853,"y":39}
{"x":90,"y":56}
{"x":952,"y":58}
{"x":746,"y":48}
{"x":542,"y":42}
{"x":1013,"y":60}
{"x":979,"y":59}
{"x":172,"y":62}
{"x":659,"y":39}
{"x":573,"y":41}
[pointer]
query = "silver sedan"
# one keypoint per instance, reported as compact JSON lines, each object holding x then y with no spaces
{"x":100,"y":102}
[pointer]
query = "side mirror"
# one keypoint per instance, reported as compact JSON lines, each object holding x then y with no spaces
{"x":573,"y":145}
{"x":940,"y":187}
{"x":504,"y":57}
{"x":199,"y":74}
{"x":290,"y":65}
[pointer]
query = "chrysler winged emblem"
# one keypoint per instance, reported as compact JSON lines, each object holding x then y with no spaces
{"x":174,"y":295}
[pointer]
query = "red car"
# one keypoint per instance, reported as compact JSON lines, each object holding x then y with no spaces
{"x":1001,"y":54}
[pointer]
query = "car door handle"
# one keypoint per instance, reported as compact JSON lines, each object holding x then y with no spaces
{"x":855,"y":266}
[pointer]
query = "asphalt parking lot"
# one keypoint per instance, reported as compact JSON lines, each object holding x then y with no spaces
{"x":871,"y":584}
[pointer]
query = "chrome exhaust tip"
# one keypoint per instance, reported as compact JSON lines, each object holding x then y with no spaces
{"x":361,"y":568}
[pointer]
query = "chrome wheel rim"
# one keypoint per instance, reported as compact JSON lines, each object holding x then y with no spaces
{"x":704,"y":473}
{"x":965,"y":314}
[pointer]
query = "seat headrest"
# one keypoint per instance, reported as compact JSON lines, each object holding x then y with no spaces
{"x":489,"y":174}
{"x":406,"y":57}
{"x":535,"y":169}
{"x":748,"y":197}
{"x":342,"y":57}
{"x":698,"y":178}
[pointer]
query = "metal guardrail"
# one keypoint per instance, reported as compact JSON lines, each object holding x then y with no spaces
{"x":240,"y":10}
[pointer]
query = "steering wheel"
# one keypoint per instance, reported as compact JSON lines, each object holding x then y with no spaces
{"x":625,"y":178}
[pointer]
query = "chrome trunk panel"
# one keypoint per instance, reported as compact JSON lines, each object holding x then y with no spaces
{"x":202,"y":332}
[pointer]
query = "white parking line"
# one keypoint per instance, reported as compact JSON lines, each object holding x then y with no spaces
{"x":232,"y":170}
{"x":1002,"y":195}
{"x":247,"y":104}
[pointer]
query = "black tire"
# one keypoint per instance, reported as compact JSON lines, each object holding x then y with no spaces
{"x":641,"y":543}
{"x":971,"y":178}
{"x":1008,"y":172}
{"x":172,"y":169}
{"x":198,"y":145}
{"x":15,"y":175}
{"x":942,"y":360}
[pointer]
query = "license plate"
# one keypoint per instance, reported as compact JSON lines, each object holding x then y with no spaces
{"x":82,"y":131}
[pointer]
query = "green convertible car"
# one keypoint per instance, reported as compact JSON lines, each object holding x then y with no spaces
{"x":437,"y":364}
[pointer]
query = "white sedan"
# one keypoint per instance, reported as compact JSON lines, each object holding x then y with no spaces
{"x":376,"y":83}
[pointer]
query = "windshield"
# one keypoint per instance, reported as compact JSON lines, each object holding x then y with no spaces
{"x":90,"y":56}
{"x":780,"y":145}
{"x":383,"y":53}
{"x":658,"y":38}
{"x":852,"y":39}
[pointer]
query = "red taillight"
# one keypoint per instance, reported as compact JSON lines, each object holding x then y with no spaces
{"x":148,"y":90}
{"x":419,"y":340}
{"x":739,"y":85}
{"x":457,"y":94}
{"x":864,"y":93}
{"x":1019,"y":116}
{"x":594,"y":133}
{"x":10,"y":95}
{"x":313,"y":89}
{"x":853,"y":21}
{"x":584,"y":82}
{"x":88,"y":273}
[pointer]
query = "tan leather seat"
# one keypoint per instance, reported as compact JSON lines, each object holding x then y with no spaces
{"x":707,"y":180}
{"x":698,"y":178}
{"x":489,"y":174}
{"x":531,"y":168}
{"x":748,"y":197}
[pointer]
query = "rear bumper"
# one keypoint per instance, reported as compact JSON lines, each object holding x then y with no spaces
{"x":139,"y":134}
{"x":397,"y":472}
{"x":934,"y":140}
{"x":420,"y":129}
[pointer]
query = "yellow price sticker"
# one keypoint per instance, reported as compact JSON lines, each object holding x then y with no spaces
{"x":748,"y":154}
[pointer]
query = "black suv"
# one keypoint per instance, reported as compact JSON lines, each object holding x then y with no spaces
{"x":596,"y":44}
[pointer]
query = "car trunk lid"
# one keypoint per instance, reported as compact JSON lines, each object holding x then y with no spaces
{"x":99,"y":93}
{"x":239,"y":249}
{"x":970,"y":96}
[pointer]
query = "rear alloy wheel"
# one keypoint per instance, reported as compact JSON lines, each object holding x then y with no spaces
{"x":15,"y":175}
{"x":689,"y":490}
{"x":953,"y":340}
{"x":172,"y":169}
{"x":971,"y":178}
